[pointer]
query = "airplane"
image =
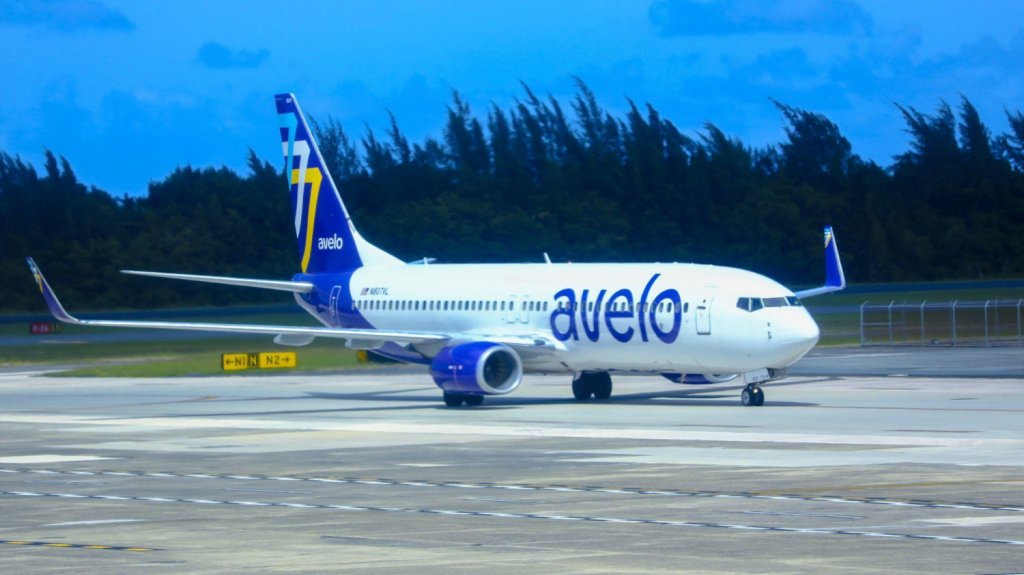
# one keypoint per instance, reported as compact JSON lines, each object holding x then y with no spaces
{"x":480,"y":327}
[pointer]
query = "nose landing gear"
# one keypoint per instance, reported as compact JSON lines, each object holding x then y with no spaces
{"x":752,"y":396}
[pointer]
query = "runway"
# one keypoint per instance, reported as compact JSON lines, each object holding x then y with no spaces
{"x":367,"y":472}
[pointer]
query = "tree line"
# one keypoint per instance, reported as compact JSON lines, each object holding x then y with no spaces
{"x":567,"y":178}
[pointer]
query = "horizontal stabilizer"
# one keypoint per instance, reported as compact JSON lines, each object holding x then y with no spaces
{"x":290,"y":286}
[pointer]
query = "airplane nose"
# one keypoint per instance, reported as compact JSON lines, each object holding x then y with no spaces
{"x":806,"y":331}
{"x":797,"y":336}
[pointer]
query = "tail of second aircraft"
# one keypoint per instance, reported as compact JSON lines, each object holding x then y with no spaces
{"x":327,"y":240}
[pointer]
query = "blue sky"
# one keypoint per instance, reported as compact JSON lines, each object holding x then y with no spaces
{"x":128,"y":90}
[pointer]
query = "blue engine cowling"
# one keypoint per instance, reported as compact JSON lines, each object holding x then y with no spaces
{"x":699,"y":378}
{"x":477,"y":368}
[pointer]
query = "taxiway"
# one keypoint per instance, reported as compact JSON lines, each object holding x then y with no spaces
{"x":846,"y":468}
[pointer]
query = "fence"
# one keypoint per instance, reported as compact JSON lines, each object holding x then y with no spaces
{"x":957,"y":323}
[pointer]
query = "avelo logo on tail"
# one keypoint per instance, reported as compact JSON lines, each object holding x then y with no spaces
{"x":334,"y":242}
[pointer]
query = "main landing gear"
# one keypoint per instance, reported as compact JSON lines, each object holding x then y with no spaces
{"x":752,"y":396}
{"x":457,"y":399}
{"x":597,"y":384}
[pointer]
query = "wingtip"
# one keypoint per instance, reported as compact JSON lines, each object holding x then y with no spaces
{"x":54,"y":305}
{"x":835,"y":277}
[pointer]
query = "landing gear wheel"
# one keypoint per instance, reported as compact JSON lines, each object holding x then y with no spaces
{"x":602,"y":385}
{"x":475,"y":400}
{"x":752,"y":396}
{"x":454,"y":399}
{"x":589,"y":384}
{"x":581,"y":388}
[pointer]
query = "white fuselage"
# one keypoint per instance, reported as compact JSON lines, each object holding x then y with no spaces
{"x":660,"y":318}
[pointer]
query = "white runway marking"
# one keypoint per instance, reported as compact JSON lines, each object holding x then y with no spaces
{"x":469,"y":430}
{"x":518,"y":487}
{"x":94,"y":522}
{"x":51,"y":458}
{"x":536,"y":516}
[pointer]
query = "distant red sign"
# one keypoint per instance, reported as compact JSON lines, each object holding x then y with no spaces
{"x":43,"y":328}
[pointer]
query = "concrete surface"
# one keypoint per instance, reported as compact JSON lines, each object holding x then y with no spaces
{"x":845,"y":469}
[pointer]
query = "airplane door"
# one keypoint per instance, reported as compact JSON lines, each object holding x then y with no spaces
{"x":335,"y":296}
{"x":518,"y":311}
{"x":703,"y":312}
{"x":510,"y":315}
{"x":524,"y":309}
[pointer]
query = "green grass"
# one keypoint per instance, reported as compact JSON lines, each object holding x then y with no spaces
{"x":944,"y":295}
{"x":843,"y":327}
{"x":172,"y":357}
{"x":318,"y":356}
{"x":169,"y":357}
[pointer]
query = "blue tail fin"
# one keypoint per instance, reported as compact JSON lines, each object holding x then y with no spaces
{"x":327,"y":240}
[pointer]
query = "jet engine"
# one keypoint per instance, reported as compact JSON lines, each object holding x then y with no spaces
{"x":477,"y":368}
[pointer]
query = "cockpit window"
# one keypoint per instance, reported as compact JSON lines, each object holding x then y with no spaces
{"x":756,"y":303}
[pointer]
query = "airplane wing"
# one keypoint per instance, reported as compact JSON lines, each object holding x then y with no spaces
{"x":287,"y":332}
{"x":835,"y":279}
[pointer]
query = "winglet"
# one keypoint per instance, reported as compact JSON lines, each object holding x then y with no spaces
{"x":49,"y":297}
{"x":835,"y":279}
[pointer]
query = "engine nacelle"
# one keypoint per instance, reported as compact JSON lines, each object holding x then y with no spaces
{"x":699,"y":378}
{"x":477,"y":368}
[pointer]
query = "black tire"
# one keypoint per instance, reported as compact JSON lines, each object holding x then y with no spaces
{"x":747,"y":397}
{"x":581,"y":388}
{"x":474,"y":400}
{"x":453,"y":399}
{"x":602,"y":385}
{"x":758,"y":396}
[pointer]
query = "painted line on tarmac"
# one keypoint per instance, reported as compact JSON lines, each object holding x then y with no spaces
{"x":920,"y":503}
{"x":56,"y":545}
{"x":508,"y":515}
